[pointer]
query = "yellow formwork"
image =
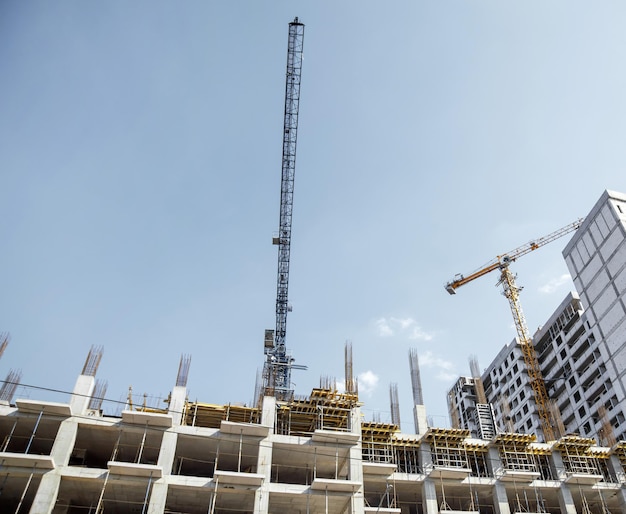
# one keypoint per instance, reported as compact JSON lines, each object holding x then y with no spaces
{"x":574,"y":441}
{"x":324,"y":409}
{"x":449,"y":435}
{"x":211,"y":415}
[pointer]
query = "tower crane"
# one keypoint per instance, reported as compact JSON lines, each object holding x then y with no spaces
{"x":278,"y":363}
{"x":511,"y":292}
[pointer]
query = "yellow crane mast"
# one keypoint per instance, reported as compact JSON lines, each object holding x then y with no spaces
{"x":511,"y":291}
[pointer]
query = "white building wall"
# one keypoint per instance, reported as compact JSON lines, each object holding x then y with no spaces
{"x":596,"y":258}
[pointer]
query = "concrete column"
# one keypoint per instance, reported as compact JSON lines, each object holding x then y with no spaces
{"x":268,"y":412}
{"x":264,"y":463}
{"x":177,"y":404}
{"x":167,"y":454}
{"x":566,"y":501}
{"x":500,"y":498}
{"x":621,"y":494}
{"x":64,"y":442}
{"x":264,"y":467}
{"x":429,"y":491}
{"x":81,"y":395}
{"x":615,"y":466}
{"x":419,"y":417}
{"x":355,"y":459}
{"x":47,"y":493}
{"x":158,"y":497}
{"x":429,"y":494}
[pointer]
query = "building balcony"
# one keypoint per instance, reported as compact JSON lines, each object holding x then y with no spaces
{"x":338,"y":486}
{"x":26,"y":460}
{"x":237,"y":478}
{"x":135,"y":470}
{"x":378,"y":469}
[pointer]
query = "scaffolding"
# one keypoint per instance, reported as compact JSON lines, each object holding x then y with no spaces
{"x":447,"y":447}
{"x":477,"y":452}
{"x":578,"y":457}
{"x":208,"y":415}
{"x":377,"y":441}
{"x":406,"y":452}
{"x":324,"y":409}
{"x":515,"y":453}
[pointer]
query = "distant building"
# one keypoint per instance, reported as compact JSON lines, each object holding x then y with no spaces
{"x":581,"y":349}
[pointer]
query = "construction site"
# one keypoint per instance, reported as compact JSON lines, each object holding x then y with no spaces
{"x":541,"y":430}
{"x":311,"y":454}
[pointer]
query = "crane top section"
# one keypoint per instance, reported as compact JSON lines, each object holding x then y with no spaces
{"x":505,"y":259}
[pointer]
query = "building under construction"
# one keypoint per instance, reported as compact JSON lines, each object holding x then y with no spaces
{"x":314,"y":454}
{"x":580,"y":349}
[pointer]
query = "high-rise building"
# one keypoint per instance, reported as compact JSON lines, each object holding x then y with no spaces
{"x":596,"y":259}
{"x":581,"y":349}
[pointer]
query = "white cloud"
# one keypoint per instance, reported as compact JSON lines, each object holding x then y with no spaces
{"x":401,"y":326}
{"x":368,"y":381}
{"x":404,"y":323}
{"x":384,"y":330}
{"x":445,"y":369}
{"x":555,"y":284}
{"x":419,"y":334}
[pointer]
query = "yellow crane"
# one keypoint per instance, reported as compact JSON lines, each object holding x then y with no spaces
{"x":511,"y":291}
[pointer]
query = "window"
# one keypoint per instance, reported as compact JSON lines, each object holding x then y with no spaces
{"x":582,"y":412}
{"x":572,"y":382}
{"x":576,"y":396}
{"x":563,"y":354}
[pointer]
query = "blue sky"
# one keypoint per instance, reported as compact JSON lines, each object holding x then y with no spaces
{"x":140,"y":150}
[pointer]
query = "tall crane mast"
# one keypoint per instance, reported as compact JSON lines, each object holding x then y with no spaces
{"x":278,"y":363}
{"x":511,"y":291}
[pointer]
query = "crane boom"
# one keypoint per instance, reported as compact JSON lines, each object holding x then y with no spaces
{"x":278,"y":364}
{"x":511,"y":256}
{"x":545,"y":410}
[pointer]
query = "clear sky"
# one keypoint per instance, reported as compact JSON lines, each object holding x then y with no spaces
{"x":140,"y":160}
